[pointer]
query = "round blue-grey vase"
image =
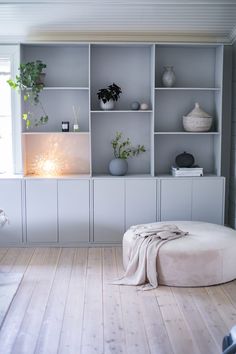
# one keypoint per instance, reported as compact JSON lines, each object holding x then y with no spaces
{"x":118,"y":167}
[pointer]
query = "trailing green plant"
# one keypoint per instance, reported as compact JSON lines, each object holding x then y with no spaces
{"x":112,"y":92}
{"x":124,"y":149}
{"x":29,"y":81}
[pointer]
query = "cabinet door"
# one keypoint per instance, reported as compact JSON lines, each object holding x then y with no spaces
{"x":208,"y":197}
{"x":108,"y":210}
{"x":176,"y":199}
{"x":11,"y":203}
{"x":140,"y":202}
{"x":41,"y":210}
{"x":73,"y":210}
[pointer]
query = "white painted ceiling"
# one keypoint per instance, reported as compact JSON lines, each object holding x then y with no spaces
{"x":171,"y":20}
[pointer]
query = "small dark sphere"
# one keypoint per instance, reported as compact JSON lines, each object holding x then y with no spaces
{"x":184,"y":160}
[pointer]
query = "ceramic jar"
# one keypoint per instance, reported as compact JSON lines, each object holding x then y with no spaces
{"x":168,"y":76}
{"x":184,"y":160}
{"x":197,"y":120}
{"x":118,"y":167}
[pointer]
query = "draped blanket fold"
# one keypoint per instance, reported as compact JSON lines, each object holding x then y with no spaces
{"x":142,"y":266}
{"x":3,"y":218}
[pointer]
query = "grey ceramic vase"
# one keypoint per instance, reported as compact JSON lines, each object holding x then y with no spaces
{"x":168,"y":76}
{"x":118,"y":167}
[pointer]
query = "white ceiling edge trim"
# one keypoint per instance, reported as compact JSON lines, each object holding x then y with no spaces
{"x":116,"y":37}
{"x":126,"y":37}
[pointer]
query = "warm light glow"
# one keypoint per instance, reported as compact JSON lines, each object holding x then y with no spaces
{"x":47,"y":166}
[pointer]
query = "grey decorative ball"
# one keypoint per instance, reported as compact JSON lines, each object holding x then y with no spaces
{"x":135,"y":106}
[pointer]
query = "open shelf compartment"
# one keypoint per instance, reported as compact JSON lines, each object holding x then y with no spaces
{"x":171,"y":106}
{"x":136,"y":127}
{"x":59,"y":107}
{"x":56,"y":154}
{"x":204,"y":148}
{"x":128,"y":66}
{"x":67,"y":65}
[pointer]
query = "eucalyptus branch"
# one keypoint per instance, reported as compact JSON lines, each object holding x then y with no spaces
{"x":123,"y":149}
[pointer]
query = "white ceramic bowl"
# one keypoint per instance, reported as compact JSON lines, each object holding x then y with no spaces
{"x":197,"y":124}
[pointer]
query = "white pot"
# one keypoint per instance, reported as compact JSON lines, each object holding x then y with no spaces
{"x":108,"y":106}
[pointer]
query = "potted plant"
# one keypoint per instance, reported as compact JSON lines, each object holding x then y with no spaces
{"x":108,"y":96}
{"x":30,"y":82}
{"x":122,"y":150}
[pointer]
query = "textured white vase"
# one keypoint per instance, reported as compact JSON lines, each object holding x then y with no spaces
{"x":197,"y":120}
{"x":168,"y":76}
{"x":108,"y":106}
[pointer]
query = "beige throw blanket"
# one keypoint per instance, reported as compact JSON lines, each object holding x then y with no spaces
{"x":142,"y":266}
{"x":3,"y":218}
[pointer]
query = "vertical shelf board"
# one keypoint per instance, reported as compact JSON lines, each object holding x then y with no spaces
{"x":202,"y":147}
{"x":134,"y":126}
{"x":69,"y":152}
{"x":194,"y":65}
{"x":152,"y":126}
{"x":89,"y":107}
{"x":67,"y":64}
{"x":226,"y":121}
{"x":128,"y":66}
{"x":218,"y":105}
{"x":59,"y":107}
{"x":171,"y":106}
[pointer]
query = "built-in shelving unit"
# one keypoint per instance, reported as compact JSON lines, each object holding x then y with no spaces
{"x":74,"y":74}
{"x":80,"y":203}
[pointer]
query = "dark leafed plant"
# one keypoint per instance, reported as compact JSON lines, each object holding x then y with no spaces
{"x":29,"y":81}
{"x":112,"y":92}
{"x":124,"y":149}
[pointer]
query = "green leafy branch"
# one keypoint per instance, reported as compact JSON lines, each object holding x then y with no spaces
{"x":124,"y":149}
{"x":29,"y":81}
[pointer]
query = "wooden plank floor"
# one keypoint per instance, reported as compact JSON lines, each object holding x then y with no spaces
{"x":66,"y":304}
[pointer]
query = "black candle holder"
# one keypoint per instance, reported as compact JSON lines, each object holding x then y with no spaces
{"x":65,"y":126}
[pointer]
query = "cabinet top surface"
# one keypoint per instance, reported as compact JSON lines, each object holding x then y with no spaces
{"x":149,"y":177}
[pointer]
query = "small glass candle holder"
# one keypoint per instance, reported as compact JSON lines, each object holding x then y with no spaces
{"x":76,"y":127}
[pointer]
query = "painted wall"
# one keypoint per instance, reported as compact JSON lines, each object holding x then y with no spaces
{"x":232,"y":199}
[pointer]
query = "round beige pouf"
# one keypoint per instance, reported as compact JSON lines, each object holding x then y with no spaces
{"x":206,"y":256}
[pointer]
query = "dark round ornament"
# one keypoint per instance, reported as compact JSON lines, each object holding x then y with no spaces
{"x":184,"y":160}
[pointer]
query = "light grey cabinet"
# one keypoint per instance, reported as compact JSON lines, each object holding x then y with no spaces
{"x":140,"y":201}
{"x":11,"y":203}
{"x":73,"y":210}
{"x":208,"y":200}
{"x":41,"y":210}
{"x":176,"y":199}
{"x":109,"y":204}
{"x":198,"y":199}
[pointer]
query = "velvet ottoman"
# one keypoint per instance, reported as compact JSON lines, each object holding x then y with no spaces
{"x":206,"y":256}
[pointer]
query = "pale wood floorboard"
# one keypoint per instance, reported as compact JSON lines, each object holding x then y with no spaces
{"x":66,"y":304}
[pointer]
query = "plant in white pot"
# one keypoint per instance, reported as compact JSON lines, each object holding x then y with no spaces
{"x":108,"y":96}
{"x":122,"y":150}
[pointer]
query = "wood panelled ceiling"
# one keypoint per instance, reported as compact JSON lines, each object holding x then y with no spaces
{"x":155,"y":20}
